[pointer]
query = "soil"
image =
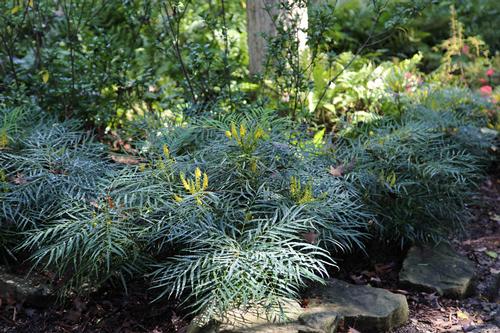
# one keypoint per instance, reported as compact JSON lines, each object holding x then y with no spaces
{"x":115,"y":311}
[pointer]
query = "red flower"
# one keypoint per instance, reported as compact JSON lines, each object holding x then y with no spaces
{"x":483,"y":81}
{"x":486,"y":90}
{"x":490,"y":72}
{"x":465,"y":49}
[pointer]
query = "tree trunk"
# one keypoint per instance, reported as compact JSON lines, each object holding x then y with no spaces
{"x":260,"y":24}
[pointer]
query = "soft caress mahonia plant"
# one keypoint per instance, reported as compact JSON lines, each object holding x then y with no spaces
{"x":244,"y":245}
{"x":195,"y":215}
{"x":418,"y":173}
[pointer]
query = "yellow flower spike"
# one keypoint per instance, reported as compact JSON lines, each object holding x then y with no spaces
{"x":197,"y":177}
{"x":293,"y":186}
{"x":253,"y":166}
{"x":166,"y":151}
{"x":205,"y":181}
{"x":198,"y":201}
{"x":259,"y":133}
{"x":243,"y":130}
{"x":177,"y":198}
{"x":228,"y":134}
{"x":184,"y":182}
{"x":197,"y":173}
{"x":192,"y":187}
{"x":160,"y":165}
{"x":142,"y":167}
{"x":234,"y":133}
{"x":4,"y":139}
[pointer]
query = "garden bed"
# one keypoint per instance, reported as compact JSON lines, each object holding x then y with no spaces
{"x":114,"y":311}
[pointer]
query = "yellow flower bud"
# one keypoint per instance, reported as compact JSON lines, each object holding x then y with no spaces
{"x":197,"y":173}
{"x":253,"y":166}
{"x":4,"y":139}
{"x":234,"y":133}
{"x":197,"y":177}
{"x":259,"y":133}
{"x":184,"y":182}
{"x":205,"y":181}
{"x":243,"y":130}
{"x":166,"y":151}
{"x":192,"y":187}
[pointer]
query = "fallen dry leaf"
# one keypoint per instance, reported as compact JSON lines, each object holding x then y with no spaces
{"x":310,"y":237}
{"x":123,"y":159}
{"x":337,"y":171}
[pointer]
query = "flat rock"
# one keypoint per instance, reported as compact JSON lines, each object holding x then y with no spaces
{"x":277,"y":328}
{"x":30,"y":290}
{"x":364,"y":308}
{"x":439,"y":269}
{"x":256,"y":320}
{"x":321,"y":318}
{"x":253,"y":318}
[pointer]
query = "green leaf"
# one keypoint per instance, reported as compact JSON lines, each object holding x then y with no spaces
{"x":318,"y":137}
{"x":492,"y":254}
{"x":15,"y":9}
{"x":45,"y":76}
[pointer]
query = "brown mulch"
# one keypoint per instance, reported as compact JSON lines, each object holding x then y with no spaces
{"x":481,"y":244}
{"x":108,"y":312}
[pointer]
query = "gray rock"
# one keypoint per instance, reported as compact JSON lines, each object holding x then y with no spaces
{"x":321,"y":318}
{"x":257,"y":320}
{"x":252,"y":318}
{"x":30,"y":290}
{"x":485,"y":329}
{"x":277,"y":328}
{"x":439,"y":269}
{"x":364,"y":308}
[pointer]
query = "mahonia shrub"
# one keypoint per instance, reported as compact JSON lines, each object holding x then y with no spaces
{"x":44,"y":164}
{"x":251,"y":217}
{"x":418,"y":173}
{"x":49,"y":165}
{"x":87,"y":244}
{"x":54,"y":180}
{"x":224,"y":212}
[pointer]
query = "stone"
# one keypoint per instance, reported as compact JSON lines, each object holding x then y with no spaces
{"x":320,"y":318}
{"x":485,"y":329}
{"x":298,"y":320}
{"x":277,"y":328}
{"x":363,"y":308}
{"x":252,"y":318}
{"x":30,"y":290}
{"x":437,"y":269}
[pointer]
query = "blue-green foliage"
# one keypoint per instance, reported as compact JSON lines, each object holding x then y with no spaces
{"x":419,"y":172}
